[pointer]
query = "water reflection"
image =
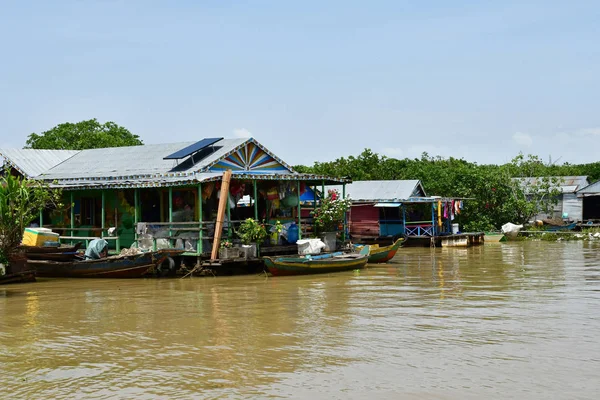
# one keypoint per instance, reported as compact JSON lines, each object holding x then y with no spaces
{"x":494,"y":321}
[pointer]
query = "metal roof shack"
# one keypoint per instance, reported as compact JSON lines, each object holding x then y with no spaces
{"x":383,"y":191}
{"x":566,"y":184}
{"x":149,"y":165}
{"x":592,"y":189}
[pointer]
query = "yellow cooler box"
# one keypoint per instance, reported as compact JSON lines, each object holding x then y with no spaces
{"x":37,"y":236}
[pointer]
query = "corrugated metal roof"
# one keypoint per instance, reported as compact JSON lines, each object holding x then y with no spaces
{"x":382,"y":191}
{"x":593,"y":188}
{"x":135,"y":161}
{"x":32,"y":162}
{"x":567,"y":184}
{"x":191,"y":179}
{"x":144,"y":166}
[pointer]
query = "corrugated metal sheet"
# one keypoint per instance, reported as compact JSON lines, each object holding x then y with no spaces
{"x":593,"y":189}
{"x":566,"y":184}
{"x":382,"y":191}
{"x":573,"y":206}
{"x":144,"y":166}
{"x":32,"y":162}
{"x":190,"y":179}
{"x":134,"y":161}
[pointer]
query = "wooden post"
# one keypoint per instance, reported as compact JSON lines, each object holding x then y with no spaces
{"x":299,"y":212}
{"x":136,"y":202}
{"x":223,"y":200}
{"x":433,"y":219}
{"x":72,"y":214}
{"x":229,"y":233}
{"x":255,"y":200}
{"x":41,"y":218}
{"x":404,"y":218}
{"x":170,"y":212}
{"x":345,"y":213}
{"x":102,"y":214}
{"x":199,"y":207}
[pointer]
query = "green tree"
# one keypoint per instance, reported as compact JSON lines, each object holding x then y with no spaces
{"x":20,"y":203}
{"x":89,"y":134}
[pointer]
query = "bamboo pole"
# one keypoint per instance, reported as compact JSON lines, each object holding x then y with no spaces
{"x":223,"y":202}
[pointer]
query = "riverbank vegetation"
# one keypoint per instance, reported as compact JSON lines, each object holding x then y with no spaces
{"x":21,"y":201}
{"x":494,"y":196}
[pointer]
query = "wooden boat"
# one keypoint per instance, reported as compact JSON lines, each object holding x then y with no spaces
{"x":302,"y":265}
{"x":121,"y":266}
{"x":494,"y":237}
{"x":42,"y":249}
{"x":382,"y":254}
{"x":555,"y":228}
{"x":65,"y":256}
{"x":19,"y":277}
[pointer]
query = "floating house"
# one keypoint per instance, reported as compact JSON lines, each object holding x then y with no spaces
{"x":166,"y":194}
{"x":590,"y":201}
{"x":569,"y":205}
{"x":384,"y":210}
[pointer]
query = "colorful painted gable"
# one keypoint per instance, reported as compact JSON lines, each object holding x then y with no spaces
{"x":250,"y":158}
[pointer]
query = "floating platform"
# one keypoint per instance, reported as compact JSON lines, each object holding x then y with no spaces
{"x":453,"y":240}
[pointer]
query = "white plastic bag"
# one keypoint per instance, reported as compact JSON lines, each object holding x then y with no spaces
{"x":310,"y":246}
{"x":511,"y":230}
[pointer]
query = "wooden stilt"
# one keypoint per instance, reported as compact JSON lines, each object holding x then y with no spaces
{"x":223,"y":202}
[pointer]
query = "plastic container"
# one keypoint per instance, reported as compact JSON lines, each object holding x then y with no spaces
{"x":37,"y":236}
{"x":455,"y":228}
{"x":292,"y":234}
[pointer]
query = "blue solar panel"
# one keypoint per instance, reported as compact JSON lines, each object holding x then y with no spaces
{"x":193,"y":148}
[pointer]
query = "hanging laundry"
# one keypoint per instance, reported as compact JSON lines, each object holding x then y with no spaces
{"x":439,"y":213}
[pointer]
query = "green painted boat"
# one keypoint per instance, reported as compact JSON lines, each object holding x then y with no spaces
{"x":302,"y":265}
{"x":379,"y":255}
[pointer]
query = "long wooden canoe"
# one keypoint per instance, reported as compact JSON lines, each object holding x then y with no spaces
{"x":383,"y":254}
{"x":333,"y":262}
{"x":19,"y":277}
{"x":129,"y":266}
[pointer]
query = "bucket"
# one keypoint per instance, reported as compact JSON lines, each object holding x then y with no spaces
{"x":330,"y":240}
{"x":455,"y":228}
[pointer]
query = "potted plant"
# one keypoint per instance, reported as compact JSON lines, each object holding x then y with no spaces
{"x":252,"y":233}
{"x":329,"y":215}
{"x":276,"y":230}
{"x":226,"y":250}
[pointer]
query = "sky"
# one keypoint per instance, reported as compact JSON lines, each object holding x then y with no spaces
{"x":312,"y":80}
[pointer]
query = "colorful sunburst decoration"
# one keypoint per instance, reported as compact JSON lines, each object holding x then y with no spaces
{"x":249,"y":158}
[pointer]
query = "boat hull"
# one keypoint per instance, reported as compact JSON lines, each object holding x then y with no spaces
{"x":135,"y":266}
{"x":293,"y":266}
{"x":19,"y":277}
{"x":384,"y":254}
{"x":494,"y":238}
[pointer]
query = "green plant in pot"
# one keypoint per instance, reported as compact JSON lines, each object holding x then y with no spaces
{"x":330,"y":213}
{"x":328,"y":216}
{"x":251,"y":231}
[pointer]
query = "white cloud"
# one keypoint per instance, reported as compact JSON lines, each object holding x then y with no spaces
{"x":589,"y":132}
{"x":242,"y":133}
{"x":523,"y":139}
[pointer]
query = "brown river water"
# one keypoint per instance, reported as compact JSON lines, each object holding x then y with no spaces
{"x":496,"y":321}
